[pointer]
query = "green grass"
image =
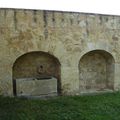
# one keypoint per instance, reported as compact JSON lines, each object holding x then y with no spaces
{"x":95,"y":107}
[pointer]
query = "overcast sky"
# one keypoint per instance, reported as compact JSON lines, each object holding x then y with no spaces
{"x":89,"y":6}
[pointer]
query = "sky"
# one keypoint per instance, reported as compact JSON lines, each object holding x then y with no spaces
{"x":110,"y":7}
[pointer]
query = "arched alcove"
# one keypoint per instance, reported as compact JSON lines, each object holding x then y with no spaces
{"x":35,"y":72}
{"x":96,"y":71}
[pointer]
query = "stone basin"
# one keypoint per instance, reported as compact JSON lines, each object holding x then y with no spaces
{"x":36,"y":86}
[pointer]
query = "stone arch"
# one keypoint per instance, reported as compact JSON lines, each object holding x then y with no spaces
{"x":96,"y":71}
{"x":37,"y":65}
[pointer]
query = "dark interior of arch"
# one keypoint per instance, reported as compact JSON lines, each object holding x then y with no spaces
{"x":36,"y":65}
{"x":96,"y":71}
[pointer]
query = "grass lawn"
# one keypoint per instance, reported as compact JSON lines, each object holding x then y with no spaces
{"x":96,"y":107}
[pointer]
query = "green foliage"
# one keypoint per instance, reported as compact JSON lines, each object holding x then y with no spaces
{"x":95,"y":107}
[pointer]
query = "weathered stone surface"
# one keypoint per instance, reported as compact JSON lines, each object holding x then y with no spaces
{"x":36,"y":64}
{"x":96,"y":71}
{"x":67,"y":36}
{"x":35,"y":87}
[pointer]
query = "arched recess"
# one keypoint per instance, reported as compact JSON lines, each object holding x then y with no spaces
{"x":96,"y":71}
{"x":37,"y":65}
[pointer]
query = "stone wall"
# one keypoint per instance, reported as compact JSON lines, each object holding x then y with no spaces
{"x":65,"y":35}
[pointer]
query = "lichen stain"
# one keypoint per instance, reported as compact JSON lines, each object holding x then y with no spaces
{"x":2,"y":30}
{"x":15,"y":19}
{"x":65,"y":88}
{"x":87,"y":31}
{"x":100,"y":18}
{"x":115,"y":38}
{"x":34,"y":16}
{"x":46,"y":33}
{"x":53,"y":18}
{"x":45,"y":18}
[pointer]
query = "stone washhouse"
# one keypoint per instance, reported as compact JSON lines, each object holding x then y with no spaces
{"x":49,"y":53}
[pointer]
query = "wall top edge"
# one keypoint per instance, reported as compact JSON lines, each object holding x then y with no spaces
{"x":60,"y":11}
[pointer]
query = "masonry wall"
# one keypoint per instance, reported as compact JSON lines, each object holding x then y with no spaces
{"x":65,"y":35}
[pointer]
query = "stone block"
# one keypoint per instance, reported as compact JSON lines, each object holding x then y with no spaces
{"x":36,"y":87}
